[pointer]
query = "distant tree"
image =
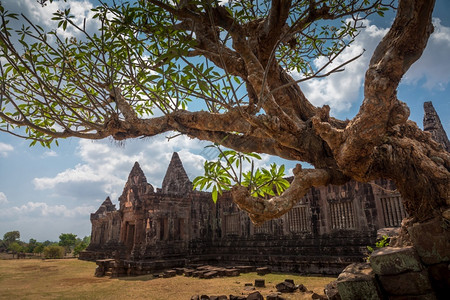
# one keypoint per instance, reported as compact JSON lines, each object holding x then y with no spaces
{"x":78,"y":248}
{"x":11,"y":237}
{"x":68,"y":241}
{"x":15,"y":248}
{"x":87,"y":240}
{"x":32,"y":243}
{"x":54,"y":251}
{"x":48,"y":243}
{"x":3,"y":247}
{"x":39,"y":249}
{"x":81,"y":245}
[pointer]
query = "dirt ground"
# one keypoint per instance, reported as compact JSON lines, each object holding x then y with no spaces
{"x":74,"y":279}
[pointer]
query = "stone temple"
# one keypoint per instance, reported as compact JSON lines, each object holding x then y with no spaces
{"x":176,"y":226}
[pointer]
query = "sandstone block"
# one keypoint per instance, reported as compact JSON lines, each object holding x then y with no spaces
{"x":440,"y":279}
{"x":274,"y":296}
{"x":357,"y":281}
{"x":99,"y":271}
{"x":246,"y":269}
{"x":285,"y":287}
{"x":232,"y":272}
{"x":221,"y":297}
{"x":260,"y":283}
{"x":429,"y":296}
{"x":331,"y":291}
{"x":179,"y":271}
{"x":209,"y":275}
{"x":169,"y":273}
{"x":232,"y":297}
{"x":431,"y":240}
{"x":318,"y":297}
{"x":263,"y":271}
{"x":290,"y":280}
{"x":301,"y":288}
{"x":390,"y":261}
{"x":410,"y":283}
{"x":255,"y":296}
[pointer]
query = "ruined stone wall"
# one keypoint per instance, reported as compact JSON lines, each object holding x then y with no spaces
{"x":328,"y":228}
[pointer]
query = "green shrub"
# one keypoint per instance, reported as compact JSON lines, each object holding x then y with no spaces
{"x":381,"y":243}
{"x":54,"y":251}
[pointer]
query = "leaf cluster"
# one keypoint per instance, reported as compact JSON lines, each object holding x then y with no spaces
{"x":229,"y":170}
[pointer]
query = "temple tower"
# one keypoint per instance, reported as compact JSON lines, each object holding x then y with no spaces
{"x":432,"y":123}
{"x":176,"y":179}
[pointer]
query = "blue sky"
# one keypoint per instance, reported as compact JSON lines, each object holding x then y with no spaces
{"x":45,"y":192}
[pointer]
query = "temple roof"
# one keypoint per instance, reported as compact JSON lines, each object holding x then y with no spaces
{"x":176,"y":179}
{"x":106,"y":206}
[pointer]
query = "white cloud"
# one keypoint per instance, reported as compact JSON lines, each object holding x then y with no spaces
{"x":105,"y":166}
{"x":5,"y":149}
{"x":341,"y":90}
{"x":3,"y":199}
{"x":434,"y":65}
{"x":44,"y":210}
{"x":50,"y":153}
{"x":81,"y":10}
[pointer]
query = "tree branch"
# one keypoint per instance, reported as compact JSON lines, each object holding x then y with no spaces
{"x":261,"y":210}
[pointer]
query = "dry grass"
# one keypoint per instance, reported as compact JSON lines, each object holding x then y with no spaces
{"x":73,"y":279}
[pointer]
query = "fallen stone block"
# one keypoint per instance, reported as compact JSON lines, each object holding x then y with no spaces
{"x":179,"y":271}
{"x":331,"y":291}
{"x":204,"y":297}
{"x":169,"y":273}
{"x":232,"y":272}
{"x":274,"y":296}
{"x":208,"y":274}
{"x":302,"y":288}
{"x":431,"y":240}
{"x":429,"y":296}
{"x":318,"y":297}
{"x":255,"y":296}
{"x":221,"y":297}
{"x":390,"y":260}
{"x":285,"y":287}
{"x":232,"y":297}
{"x":220,"y":271}
{"x":440,"y":279}
{"x":246,"y":269}
{"x":260,"y":283}
{"x":357,"y":281}
{"x":410,"y":283}
{"x":263,"y":271}
{"x":290,"y":280}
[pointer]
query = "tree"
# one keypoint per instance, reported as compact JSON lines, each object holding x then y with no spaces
{"x":11,"y":237}
{"x":32,"y":244}
{"x":68,"y":241}
{"x":81,"y":244}
{"x":39,"y":249}
{"x":15,"y":248}
{"x":54,"y":251}
{"x":2,"y":246}
{"x":220,"y":72}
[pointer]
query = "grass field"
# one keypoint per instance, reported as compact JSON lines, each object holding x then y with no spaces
{"x":74,"y":279}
